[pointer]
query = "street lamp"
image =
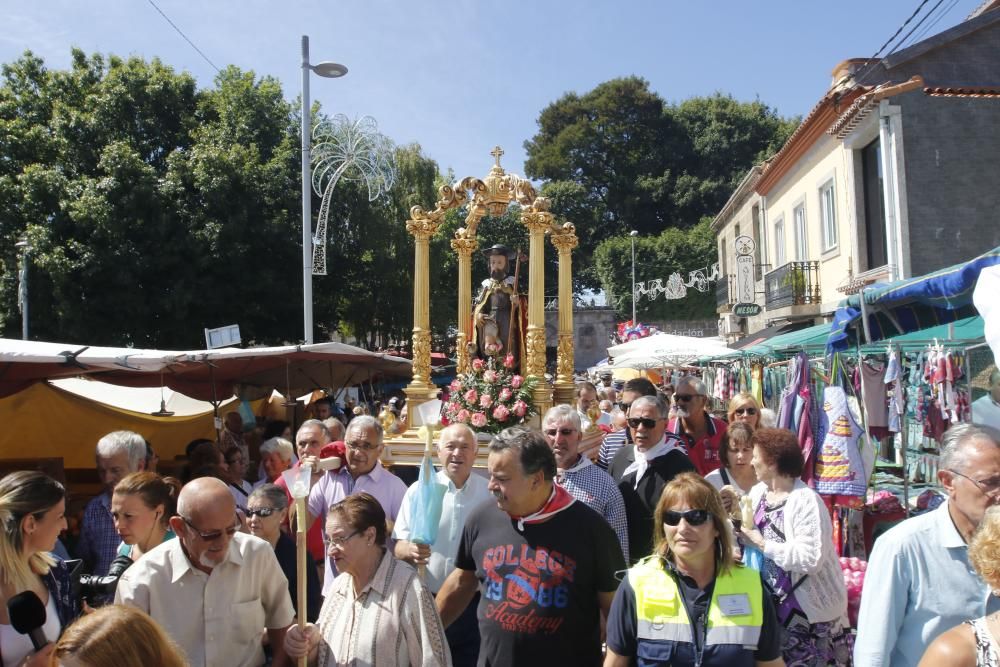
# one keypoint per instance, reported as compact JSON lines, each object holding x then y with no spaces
{"x":330,"y":71}
{"x":633,"y":234}
{"x":22,"y":294}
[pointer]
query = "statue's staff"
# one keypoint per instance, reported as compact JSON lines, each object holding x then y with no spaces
{"x":514,"y":299}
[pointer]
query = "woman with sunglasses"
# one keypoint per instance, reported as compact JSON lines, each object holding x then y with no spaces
{"x":690,"y":603}
{"x":744,"y":408}
{"x":377,"y":611}
{"x":792,"y":527}
{"x":267,"y":508}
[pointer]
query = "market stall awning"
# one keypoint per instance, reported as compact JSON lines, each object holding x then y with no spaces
{"x":202,"y":374}
{"x":792,"y":340}
{"x":912,"y":304}
{"x":764,"y":335}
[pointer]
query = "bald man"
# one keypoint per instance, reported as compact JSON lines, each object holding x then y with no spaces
{"x":213,"y":590}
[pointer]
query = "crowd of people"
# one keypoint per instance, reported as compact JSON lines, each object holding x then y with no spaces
{"x":660,"y":535}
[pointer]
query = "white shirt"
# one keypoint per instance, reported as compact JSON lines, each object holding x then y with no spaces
{"x":216,"y":619}
{"x":642,"y":459}
{"x":985,"y":411}
{"x":455,"y":509}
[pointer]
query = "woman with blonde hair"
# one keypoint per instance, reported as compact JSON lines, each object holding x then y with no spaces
{"x":118,"y":635}
{"x":744,"y":408}
{"x":141,"y":506}
{"x":975,"y":643}
{"x":690,"y":603}
{"x":32,"y":514}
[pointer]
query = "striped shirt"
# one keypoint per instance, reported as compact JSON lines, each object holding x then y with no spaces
{"x":595,"y":488}
{"x":612,"y":443}
{"x":393,"y":621}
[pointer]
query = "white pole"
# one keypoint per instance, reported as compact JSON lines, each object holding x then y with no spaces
{"x":307,"y":298}
{"x":24,"y":293}
{"x":633,"y":234}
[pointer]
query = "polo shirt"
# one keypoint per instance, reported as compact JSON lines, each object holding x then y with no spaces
{"x":919,"y":583}
{"x":704,"y":453}
{"x":215,"y":618}
{"x":455,"y":509}
{"x":336,"y":485}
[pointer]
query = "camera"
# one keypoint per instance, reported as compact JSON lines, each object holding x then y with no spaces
{"x":97,"y":590}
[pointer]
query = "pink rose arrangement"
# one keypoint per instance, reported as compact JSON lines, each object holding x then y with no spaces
{"x":491,"y":396}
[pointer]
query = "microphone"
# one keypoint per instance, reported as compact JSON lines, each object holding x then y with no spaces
{"x":27,"y":615}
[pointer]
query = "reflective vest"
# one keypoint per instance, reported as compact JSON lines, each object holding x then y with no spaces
{"x":735,"y":613}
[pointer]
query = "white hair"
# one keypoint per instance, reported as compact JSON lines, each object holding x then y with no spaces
{"x":123,"y":442}
{"x":563,"y":413}
{"x":279,"y":446}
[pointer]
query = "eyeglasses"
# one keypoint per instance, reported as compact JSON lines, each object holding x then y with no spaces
{"x":551,"y":432}
{"x":338,"y":542}
{"x":745,"y":411}
{"x":262,"y":512}
{"x":989,"y":487}
{"x":685,"y":398}
{"x":361,"y":446}
{"x":693,"y":517}
{"x":215,"y":534}
{"x":636,"y":422}
{"x":624,"y":406}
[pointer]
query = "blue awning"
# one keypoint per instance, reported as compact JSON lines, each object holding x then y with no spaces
{"x":912,"y":304}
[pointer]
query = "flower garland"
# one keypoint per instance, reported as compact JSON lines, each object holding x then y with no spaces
{"x":490,"y":397}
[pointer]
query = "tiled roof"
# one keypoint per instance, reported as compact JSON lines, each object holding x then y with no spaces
{"x":963,"y":92}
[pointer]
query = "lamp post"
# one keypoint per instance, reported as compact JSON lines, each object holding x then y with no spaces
{"x":633,"y":234}
{"x":330,"y":71}
{"x":22,"y":293}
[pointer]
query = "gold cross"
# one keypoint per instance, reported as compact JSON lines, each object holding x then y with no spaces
{"x":496,"y":153}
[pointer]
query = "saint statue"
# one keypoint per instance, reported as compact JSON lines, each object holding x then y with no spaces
{"x":499,"y":312}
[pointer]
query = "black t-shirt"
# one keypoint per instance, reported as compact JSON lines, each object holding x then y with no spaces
{"x":623,"y":628}
{"x":539,"y":589}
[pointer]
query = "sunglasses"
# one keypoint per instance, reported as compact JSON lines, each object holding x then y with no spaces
{"x":624,"y":406}
{"x":213,"y":535}
{"x":561,"y":431}
{"x":685,"y":398}
{"x":263,"y":512}
{"x":636,"y":422}
{"x":745,"y":411}
{"x":693,"y":517}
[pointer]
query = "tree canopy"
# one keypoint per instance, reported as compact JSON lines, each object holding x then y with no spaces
{"x":620,"y":158}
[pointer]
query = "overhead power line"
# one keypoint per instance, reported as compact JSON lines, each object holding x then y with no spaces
{"x":186,"y":38}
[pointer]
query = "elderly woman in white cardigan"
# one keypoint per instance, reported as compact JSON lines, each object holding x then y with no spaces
{"x":792,"y":528}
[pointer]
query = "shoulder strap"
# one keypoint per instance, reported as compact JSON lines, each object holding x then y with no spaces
{"x":725,"y":475}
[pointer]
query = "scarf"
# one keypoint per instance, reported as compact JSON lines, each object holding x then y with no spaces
{"x":643,"y":459}
{"x":558,"y":500}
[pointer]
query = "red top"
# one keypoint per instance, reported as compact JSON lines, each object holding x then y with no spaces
{"x":704,"y":453}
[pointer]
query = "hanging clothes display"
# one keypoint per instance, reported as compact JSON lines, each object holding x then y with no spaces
{"x":840,"y":467}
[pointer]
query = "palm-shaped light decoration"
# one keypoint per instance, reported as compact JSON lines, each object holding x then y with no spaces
{"x":352,"y":150}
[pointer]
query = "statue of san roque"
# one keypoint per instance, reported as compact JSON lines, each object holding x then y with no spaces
{"x":499,"y":311}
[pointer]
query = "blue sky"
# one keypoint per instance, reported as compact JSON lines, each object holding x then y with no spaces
{"x":461,"y":76}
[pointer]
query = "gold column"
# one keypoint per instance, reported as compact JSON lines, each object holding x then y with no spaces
{"x":420,"y":388}
{"x":564,"y":239}
{"x":464,"y":247}
{"x":538,"y":222}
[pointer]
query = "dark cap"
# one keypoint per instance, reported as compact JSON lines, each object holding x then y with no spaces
{"x":499,"y":249}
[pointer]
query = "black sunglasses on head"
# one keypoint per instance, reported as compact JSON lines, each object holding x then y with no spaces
{"x":636,"y":422}
{"x":693,"y":517}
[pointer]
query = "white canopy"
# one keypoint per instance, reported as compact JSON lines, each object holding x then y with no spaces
{"x":665,"y":350}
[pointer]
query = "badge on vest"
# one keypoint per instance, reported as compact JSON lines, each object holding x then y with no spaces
{"x":737,"y":604}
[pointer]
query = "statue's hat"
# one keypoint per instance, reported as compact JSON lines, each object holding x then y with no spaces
{"x":499,"y":249}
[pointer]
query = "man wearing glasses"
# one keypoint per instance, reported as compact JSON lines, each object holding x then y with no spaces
{"x":701,"y":432}
{"x":363,"y":472}
{"x":575,"y":473}
{"x":919,"y":582}
{"x":642,"y":469}
{"x":212,"y":589}
{"x":614,"y":441}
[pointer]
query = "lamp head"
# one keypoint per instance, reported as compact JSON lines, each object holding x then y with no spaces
{"x":633,"y":233}
{"x":329,"y":70}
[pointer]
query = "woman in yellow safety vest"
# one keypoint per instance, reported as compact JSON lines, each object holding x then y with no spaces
{"x":690,"y":603}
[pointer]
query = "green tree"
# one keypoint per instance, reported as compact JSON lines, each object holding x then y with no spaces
{"x":657,"y":257}
{"x":620,"y":158}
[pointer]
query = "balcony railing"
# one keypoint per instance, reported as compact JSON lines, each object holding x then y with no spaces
{"x":794,"y":284}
